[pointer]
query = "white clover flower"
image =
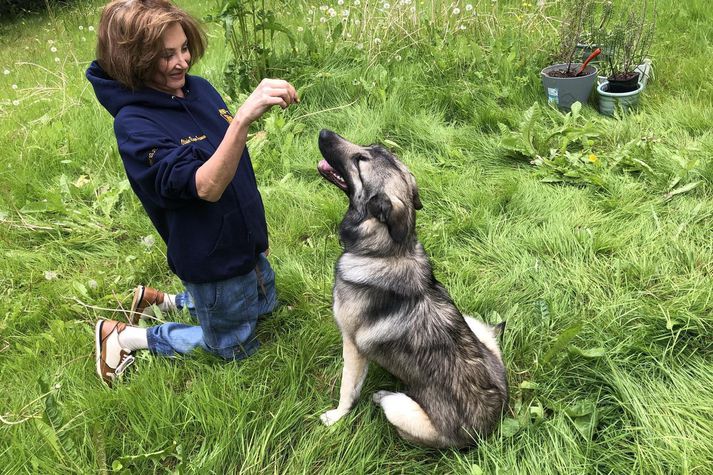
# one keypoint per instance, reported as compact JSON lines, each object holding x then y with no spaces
{"x":148,"y":241}
{"x":14,"y":86}
{"x":50,"y":275}
{"x":53,"y":49}
{"x":56,"y":60}
{"x":92,"y":284}
{"x":15,"y":103}
{"x":322,"y":19}
{"x":91,"y":28}
{"x":469,"y":7}
{"x":332,"y":12}
{"x":456,"y":11}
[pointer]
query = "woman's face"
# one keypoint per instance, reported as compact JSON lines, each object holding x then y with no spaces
{"x":173,"y":63}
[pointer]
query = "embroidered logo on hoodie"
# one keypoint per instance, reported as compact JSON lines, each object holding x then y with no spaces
{"x":225,"y":115}
{"x":192,"y":138}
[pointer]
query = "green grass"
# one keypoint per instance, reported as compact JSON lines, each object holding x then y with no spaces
{"x":605,"y":282}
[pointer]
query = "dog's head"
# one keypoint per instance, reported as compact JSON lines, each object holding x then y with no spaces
{"x":382,"y":192}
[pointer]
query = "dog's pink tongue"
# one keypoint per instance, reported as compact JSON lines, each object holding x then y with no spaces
{"x":324,"y":167}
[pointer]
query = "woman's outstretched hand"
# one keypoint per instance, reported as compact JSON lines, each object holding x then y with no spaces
{"x":270,"y":92}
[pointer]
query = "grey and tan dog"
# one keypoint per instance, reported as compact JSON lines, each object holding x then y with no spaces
{"x":391,"y":310}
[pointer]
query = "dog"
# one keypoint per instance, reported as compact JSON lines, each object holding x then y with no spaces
{"x":390,"y":309}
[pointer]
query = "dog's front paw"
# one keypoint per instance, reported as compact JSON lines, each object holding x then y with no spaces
{"x":330,"y":417}
{"x":379,"y":395}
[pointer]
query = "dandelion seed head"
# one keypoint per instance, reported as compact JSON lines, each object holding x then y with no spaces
{"x":53,"y":49}
{"x":387,"y":5}
{"x":91,"y":28}
{"x":323,"y":8}
{"x":357,"y":3}
{"x":340,"y":2}
{"x":322,"y":19}
{"x":92,"y":284}
{"x":300,"y":29}
{"x":148,"y":241}
{"x":14,"y":86}
{"x":332,"y":12}
{"x":6,"y":72}
{"x":50,"y":275}
{"x":377,"y":41}
{"x":15,"y":103}
{"x":81,"y":28}
{"x":360,"y":46}
{"x":469,"y":8}
{"x":345,"y":13}
{"x":456,"y":11}
{"x":56,"y":59}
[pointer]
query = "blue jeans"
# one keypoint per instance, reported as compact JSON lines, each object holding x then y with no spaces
{"x":227,"y":312}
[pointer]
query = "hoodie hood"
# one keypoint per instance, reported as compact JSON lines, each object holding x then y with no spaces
{"x":114,"y":96}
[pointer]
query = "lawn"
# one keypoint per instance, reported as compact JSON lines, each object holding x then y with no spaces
{"x":589,"y":235}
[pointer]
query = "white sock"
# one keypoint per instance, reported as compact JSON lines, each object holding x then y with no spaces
{"x":169,"y":303}
{"x":133,"y":338}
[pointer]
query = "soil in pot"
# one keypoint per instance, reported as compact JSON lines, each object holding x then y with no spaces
{"x":563,"y":73}
{"x":623,"y":82}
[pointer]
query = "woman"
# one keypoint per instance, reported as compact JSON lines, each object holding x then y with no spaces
{"x":186,"y":160}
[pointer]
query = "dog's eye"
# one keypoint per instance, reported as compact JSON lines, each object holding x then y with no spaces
{"x":360,"y":157}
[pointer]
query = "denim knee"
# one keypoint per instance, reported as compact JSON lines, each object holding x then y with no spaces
{"x":227,"y":312}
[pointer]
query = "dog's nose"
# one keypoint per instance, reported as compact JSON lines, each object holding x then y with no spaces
{"x":325,"y":134}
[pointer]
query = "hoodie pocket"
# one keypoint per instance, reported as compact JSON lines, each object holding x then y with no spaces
{"x":233,"y":235}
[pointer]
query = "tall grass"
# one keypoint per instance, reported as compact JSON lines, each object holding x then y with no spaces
{"x":601,"y":268}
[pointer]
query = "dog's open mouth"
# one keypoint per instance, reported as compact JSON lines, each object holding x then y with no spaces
{"x":326,"y":170}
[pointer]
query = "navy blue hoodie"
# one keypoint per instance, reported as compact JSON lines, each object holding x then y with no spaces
{"x":162,"y":141}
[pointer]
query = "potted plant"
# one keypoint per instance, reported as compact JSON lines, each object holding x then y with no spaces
{"x":626,"y":66}
{"x":570,"y":80}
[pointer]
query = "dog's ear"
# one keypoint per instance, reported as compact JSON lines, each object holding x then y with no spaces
{"x":395,"y":217}
{"x":379,"y":206}
{"x":499,"y":329}
{"x":416,"y":197}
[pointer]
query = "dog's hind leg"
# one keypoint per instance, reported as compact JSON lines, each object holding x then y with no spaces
{"x":409,"y":418}
{"x":353,"y":375}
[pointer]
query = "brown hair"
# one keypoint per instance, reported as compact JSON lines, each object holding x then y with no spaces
{"x":129,"y":38}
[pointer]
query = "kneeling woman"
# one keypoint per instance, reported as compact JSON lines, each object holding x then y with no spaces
{"x":185,"y":157}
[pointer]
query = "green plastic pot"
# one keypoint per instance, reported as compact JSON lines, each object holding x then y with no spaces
{"x":611,"y":101}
